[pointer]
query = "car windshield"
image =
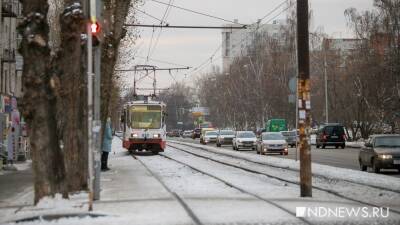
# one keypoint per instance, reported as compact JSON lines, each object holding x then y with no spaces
{"x":273,"y":136}
{"x":288,"y":133}
{"x":211,"y":133}
{"x":246,"y":135}
{"x":393,"y":141}
{"x":226,"y":132}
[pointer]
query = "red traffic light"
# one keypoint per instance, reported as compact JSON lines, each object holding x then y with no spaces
{"x":95,"y":28}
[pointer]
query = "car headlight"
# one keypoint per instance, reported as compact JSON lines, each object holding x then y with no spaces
{"x":135,"y":135}
{"x":385,"y":156}
{"x":240,"y":141}
{"x":156,"y":135}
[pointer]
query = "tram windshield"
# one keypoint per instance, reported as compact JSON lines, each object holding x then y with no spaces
{"x":146,"y":117}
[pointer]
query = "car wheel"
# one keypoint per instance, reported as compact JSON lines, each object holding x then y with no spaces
{"x":233,"y":147}
{"x":343,"y":146}
{"x":375,"y":167}
{"x":155,"y":152}
{"x":218,"y":145}
{"x":336,"y":146}
{"x":317,"y":146}
{"x":362,"y":167}
{"x":253,"y":149}
{"x":323,"y":146}
{"x":281,"y":153}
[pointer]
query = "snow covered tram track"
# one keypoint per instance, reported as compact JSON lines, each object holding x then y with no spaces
{"x":184,"y":205}
{"x":281,"y":167}
{"x":269,"y":175}
{"x":231,"y":185}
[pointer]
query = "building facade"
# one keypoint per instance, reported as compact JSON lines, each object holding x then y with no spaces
{"x":237,"y":42}
{"x":10,"y":75}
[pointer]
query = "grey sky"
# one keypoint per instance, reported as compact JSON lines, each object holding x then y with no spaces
{"x":192,"y":47}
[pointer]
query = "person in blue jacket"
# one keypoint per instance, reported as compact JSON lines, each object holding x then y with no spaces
{"x":107,"y":140}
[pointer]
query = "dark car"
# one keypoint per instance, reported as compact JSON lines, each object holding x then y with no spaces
{"x":291,"y":137}
{"x":331,"y":135}
{"x":380,"y":152}
{"x":196,"y":133}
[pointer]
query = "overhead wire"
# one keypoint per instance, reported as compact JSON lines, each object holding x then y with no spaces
{"x":165,"y":16}
{"x":199,"y":13}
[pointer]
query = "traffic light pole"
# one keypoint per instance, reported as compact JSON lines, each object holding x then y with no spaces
{"x":90,"y":113}
{"x":304,"y":99}
{"x":96,"y":117}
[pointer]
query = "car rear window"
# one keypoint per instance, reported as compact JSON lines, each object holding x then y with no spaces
{"x":338,"y":130}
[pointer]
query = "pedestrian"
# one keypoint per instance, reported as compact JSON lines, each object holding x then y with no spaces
{"x":107,"y":140}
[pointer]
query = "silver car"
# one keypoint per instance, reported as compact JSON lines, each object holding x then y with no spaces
{"x":225,"y":137}
{"x":272,"y":142}
{"x":244,"y":140}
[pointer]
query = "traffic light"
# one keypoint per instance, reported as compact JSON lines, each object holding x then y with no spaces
{"x":96,"y":32}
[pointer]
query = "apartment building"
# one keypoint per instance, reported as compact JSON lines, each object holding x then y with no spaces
{"x":237,"y":42}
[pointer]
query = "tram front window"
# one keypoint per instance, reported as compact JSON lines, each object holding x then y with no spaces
{"x":146,"y":120}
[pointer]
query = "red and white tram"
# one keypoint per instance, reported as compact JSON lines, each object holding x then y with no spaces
{"x":144,"y":125}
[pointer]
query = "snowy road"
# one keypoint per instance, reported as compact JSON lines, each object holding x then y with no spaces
{"x":219,"y":189}
{"x":342,"y":158}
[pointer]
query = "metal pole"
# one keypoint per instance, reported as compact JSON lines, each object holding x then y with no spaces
{"x":304,"y":100}
{"x":326,"y":89}
{"x":97,"y":121}
{"x":90,"y":119}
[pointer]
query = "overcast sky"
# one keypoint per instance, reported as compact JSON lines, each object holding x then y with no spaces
{"x":193,"y":47}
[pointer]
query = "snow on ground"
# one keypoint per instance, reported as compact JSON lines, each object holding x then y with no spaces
{"x":326,"y":171}
{"x":355,"y":191}
{"x":131,"y":195}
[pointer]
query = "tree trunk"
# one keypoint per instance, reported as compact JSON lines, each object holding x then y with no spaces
{"x":110,"y":47}
{"x":72,"y":97}
{"x":38,"y":102}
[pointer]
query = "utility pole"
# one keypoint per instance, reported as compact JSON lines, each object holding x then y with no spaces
{"x":326,"y":88}
{"x":304,"y":99}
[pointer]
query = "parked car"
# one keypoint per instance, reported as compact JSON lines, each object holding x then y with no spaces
{"x":187,"y":133}
{"x":225,"y":137}
{"x":380,"y":152}
{"x":209,"y":137}
{"x":196,"y":133}
{"x":331,"y":135}
{"x":291,"y":137}
{"x":273,"y":142}
{"x":244,"y":140}
{"x":118,"y":133}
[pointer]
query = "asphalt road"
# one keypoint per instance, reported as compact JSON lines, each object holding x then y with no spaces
{"x":343,"y":158}
{"x":15,"y":182}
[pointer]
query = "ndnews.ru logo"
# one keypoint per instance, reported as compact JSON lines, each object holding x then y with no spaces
{"x":343,"y":212}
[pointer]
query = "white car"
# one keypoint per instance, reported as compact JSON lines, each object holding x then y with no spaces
{"x":225,"y":137}
{"x":210,"y":137}
{"x":244,"y":140}
{"x":118,"y":133}
{"x":273,"y":142}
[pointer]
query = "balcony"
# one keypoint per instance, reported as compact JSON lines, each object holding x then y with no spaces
{"x":8,"y":56}
{"x":7,"y":9}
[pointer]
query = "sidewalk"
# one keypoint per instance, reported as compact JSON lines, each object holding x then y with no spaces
{"x":129,"y":195}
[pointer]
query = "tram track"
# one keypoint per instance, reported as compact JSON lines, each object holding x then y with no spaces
{"x":231,"y":185}
{"x":285,"y":168}
{"x":329,"y":191}
{"x":178,"y":198}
